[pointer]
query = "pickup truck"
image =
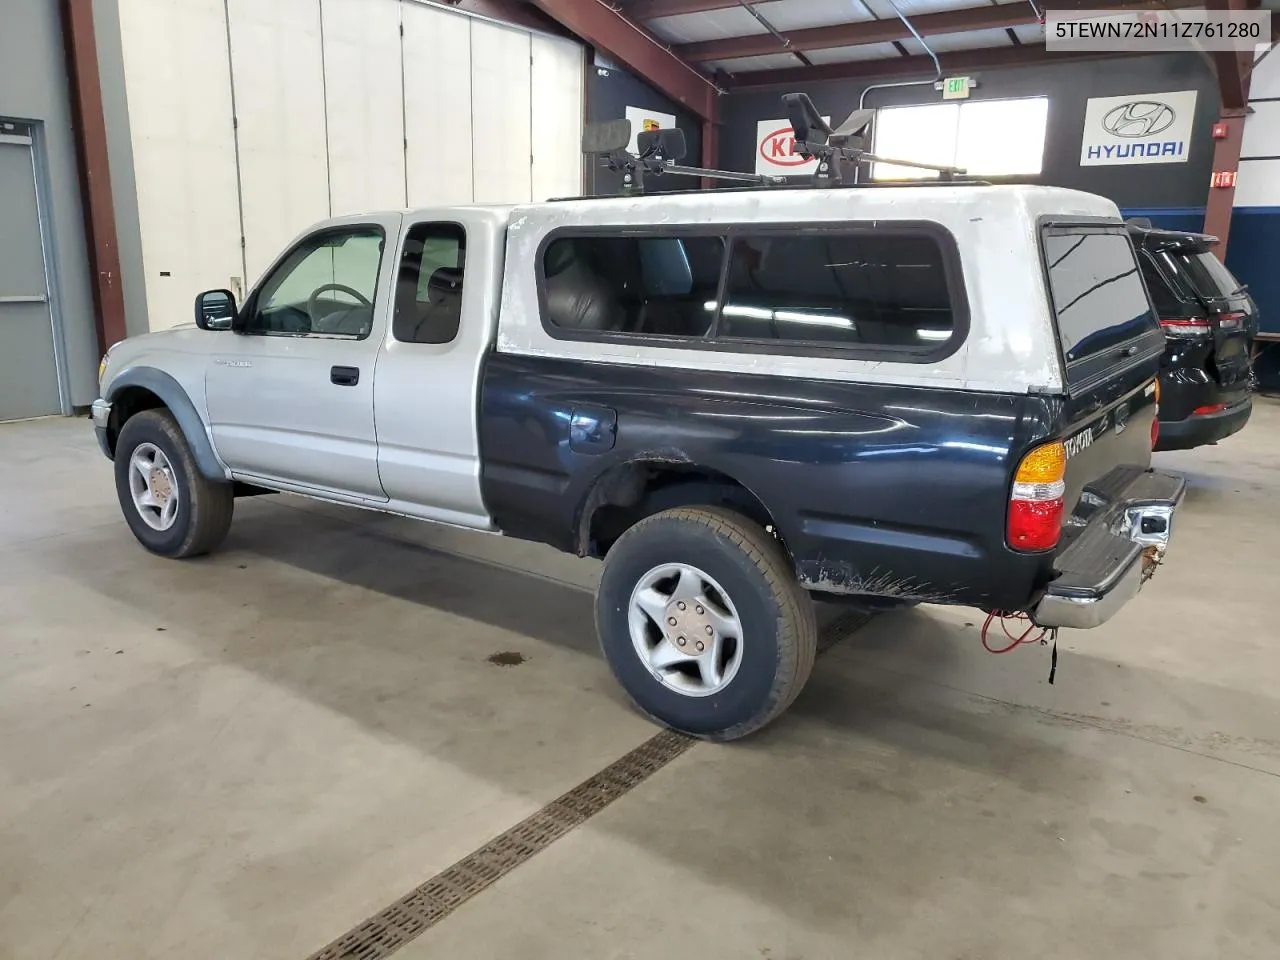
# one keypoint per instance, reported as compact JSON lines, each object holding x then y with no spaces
{"x":740,"y":401}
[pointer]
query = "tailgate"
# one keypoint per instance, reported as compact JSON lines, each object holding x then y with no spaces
{"x":1231,"y":363}
{"x":1230,"y":311}
{"x":1111,"y":345}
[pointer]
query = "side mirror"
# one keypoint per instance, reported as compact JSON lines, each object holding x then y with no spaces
{"x":215,"y":309}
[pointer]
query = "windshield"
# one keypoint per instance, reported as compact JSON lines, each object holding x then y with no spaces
{"x":1206,"y":274}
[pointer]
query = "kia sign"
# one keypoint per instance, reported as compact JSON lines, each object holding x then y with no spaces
{"x":776,"y":150}
{"x":1142,"y":128}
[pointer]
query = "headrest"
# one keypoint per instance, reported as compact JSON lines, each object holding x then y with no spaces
{"x":559,"y":257}
{"x":444,"y":281}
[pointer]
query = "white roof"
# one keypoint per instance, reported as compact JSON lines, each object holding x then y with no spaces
{"x":1011,"y":345}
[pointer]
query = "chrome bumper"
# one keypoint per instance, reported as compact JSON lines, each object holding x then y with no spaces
{"x":1106,"y":565}
{"x":100,"y":411}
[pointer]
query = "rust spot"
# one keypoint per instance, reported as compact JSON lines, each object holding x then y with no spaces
{"x":507,"y":658}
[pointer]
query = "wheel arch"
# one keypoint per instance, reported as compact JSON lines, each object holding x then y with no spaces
{"x":627,"y":492}
{"x":146,"y":388}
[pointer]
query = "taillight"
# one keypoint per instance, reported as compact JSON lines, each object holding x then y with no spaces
{"x":1208,"y":408}
{"x":1184,"y":326}
{"x":1231,"y":321}
{"x":1036,"y":501}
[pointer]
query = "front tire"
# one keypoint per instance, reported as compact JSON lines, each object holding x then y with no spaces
{"x":703,"y":623}
{"x":172,"y":508}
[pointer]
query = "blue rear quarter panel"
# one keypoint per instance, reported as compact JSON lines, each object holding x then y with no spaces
{"x":897,"y":491}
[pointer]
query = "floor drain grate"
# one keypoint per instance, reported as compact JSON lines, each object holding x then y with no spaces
{"x":839,"y":628}
{"x":428,"y":904}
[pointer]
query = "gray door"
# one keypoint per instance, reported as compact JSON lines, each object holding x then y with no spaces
{"x":28,"y":364}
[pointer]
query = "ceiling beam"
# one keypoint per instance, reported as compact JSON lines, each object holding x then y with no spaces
{"x":653,"y":9}
{"x":989,"y":17}
{"x":915,"y":66}
{"x":622,"y":40}
{"x":889,"y":30}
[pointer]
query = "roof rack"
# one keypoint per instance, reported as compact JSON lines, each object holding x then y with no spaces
{"x":658,"y":152}
{"x":839,"y":151}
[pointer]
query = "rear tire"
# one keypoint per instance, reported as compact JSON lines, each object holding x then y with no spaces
{"x":172,"y":508}
{"x":733,"y":578}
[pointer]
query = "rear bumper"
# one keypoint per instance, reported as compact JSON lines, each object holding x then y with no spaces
{"x":1200,"y":430}
{"x":1104,"y":567}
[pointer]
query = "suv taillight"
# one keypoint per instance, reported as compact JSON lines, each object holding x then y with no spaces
{"x":1184,"y":326}
{"x":1036,"y":500}
{"x":1231,"y":321}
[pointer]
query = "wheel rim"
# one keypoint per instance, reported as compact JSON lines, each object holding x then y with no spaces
{"x":154,"y":486}
{"x":685,"y":629}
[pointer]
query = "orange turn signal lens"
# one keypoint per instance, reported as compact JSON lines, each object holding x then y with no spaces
{"x":1044,"y":464}
{"x":1157,"y":392}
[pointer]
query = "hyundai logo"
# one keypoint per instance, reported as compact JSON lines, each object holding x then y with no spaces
{"x":1138,"y":118}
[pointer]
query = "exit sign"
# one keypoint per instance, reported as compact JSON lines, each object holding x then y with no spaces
{"x":955,"y":88}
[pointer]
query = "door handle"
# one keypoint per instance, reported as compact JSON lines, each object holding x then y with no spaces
{"x":344,"y":376}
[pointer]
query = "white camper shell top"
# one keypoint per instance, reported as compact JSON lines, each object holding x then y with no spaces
{"x":1011,"y":345}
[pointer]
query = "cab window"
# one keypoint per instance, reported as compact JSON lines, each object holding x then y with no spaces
{"x":325,"y":286}
{"x":429,"y":284}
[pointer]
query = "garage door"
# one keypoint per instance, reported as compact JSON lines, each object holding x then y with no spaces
{"x":28,"y":368}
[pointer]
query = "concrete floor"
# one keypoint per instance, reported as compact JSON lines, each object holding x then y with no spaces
{"x":246,"y":755}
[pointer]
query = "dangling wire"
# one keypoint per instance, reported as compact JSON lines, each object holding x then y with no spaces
{"x":1030,"y":635}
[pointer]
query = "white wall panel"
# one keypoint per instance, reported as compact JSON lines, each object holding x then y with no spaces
{"x":278,"y":73}
{"x":1265,"y":79}
{"x":1258,"y":184}
{"x":179,"y":95}
{"x":556,"y":104}
{"x":437,"y":105}
{"x":364,"y":104}
{"x":500,"y":113}
{"x":1262,"y":130}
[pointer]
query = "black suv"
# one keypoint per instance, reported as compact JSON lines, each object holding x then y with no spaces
{"x":1209,"y":320}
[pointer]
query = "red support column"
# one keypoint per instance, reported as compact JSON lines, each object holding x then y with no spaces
{"x":95,"y":174}
{"x":710,"y":149}
{"x":1226,"y":159}
{"x":1233,"y":68}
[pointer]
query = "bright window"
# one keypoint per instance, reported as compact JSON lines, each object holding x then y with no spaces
{"x":987,"y":138}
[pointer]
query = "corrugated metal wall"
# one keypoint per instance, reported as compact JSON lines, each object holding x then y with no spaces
{"x":339,"y":106}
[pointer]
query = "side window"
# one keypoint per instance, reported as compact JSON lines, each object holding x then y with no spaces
{"x":324,"y":287}
{"x":1163,"y":295}
{"x":838,"y":289}
{"x":1098,"y":298}
{"x":650,"y":285}
{"x":429,"y":285}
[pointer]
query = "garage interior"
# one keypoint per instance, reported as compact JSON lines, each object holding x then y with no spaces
{"x":347,"y":734}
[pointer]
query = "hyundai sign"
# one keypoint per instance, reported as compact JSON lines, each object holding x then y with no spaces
{"x":1142,"y":128}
